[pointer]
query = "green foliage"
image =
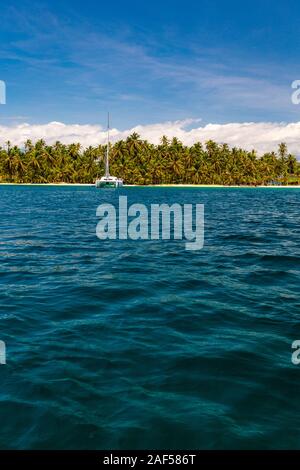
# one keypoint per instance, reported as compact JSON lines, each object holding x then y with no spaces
{"x":139,"y":162}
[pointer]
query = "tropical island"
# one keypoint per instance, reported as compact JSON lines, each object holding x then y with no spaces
{"x":142,"y":163}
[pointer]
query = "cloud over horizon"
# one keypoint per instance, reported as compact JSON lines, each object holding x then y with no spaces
{"x":261,"y":136}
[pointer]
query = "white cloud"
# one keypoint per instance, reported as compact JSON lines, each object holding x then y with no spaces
{"x":262,"y":136}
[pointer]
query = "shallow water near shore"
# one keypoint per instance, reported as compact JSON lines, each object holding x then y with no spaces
{"x":142,"y":344}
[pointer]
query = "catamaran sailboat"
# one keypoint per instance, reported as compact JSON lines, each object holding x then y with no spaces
{"x":108,"y":181}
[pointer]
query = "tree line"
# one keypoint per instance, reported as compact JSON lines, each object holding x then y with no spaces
{"x":140,"y":162}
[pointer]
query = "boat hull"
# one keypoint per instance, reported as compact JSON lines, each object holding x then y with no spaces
{"x":108,"y":184}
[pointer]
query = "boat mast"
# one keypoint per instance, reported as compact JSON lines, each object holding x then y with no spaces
{"x":107,"y":149}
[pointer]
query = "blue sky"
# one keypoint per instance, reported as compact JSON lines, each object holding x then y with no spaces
{"x":149,"y":62}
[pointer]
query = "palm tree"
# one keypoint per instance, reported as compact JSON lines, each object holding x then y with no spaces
{"x":140,"y":162}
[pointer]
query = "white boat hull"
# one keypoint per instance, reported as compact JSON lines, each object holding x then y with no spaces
{"x":109,"y":182}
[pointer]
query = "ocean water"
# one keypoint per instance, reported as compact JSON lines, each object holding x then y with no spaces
{"x":142,"y":344}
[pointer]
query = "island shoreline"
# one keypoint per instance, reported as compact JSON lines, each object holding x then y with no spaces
{"x":158,"y":185}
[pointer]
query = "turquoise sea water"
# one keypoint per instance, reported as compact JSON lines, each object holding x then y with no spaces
{"x":142,"y":344}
